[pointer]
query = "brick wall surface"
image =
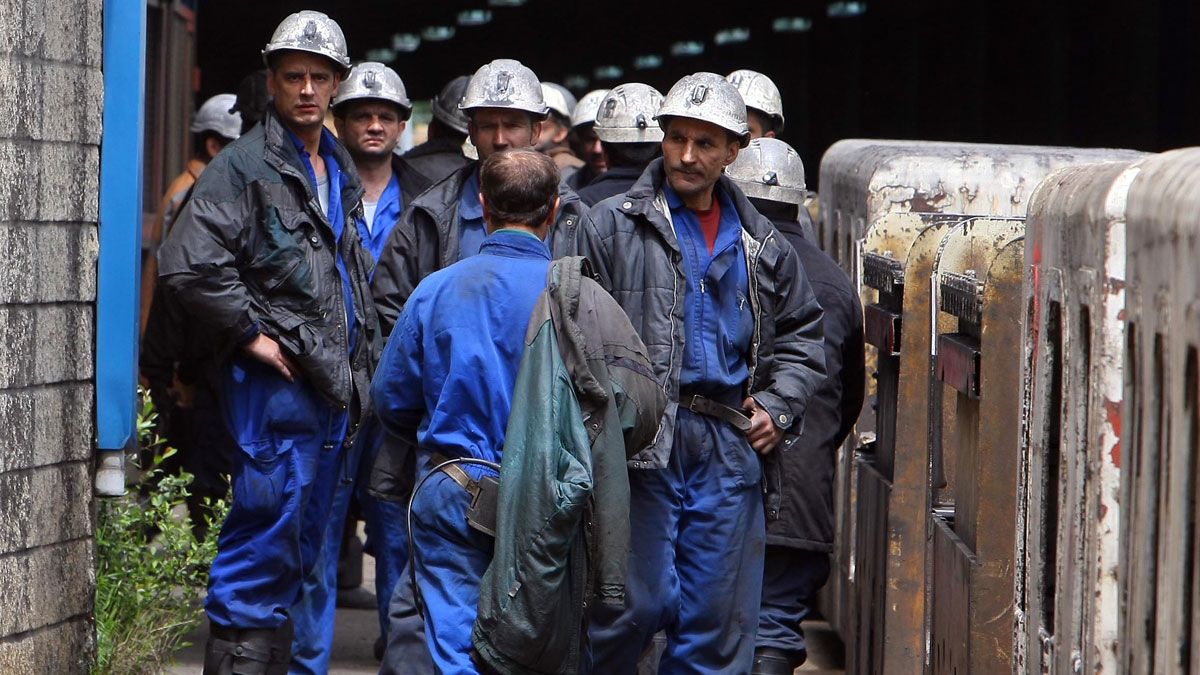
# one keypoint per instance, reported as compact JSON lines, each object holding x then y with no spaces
{"x":50,"y":116}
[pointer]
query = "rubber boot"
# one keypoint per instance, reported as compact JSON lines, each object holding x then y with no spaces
{"x":248,"y":651}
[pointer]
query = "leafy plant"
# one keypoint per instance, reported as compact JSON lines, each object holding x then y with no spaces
{"x":151,"y":570}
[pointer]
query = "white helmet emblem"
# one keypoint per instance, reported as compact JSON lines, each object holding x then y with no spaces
{"x":500,"y":87}
{"x":699,"y":93}
{"x":369,"y":80}
{"x":310,"y":31}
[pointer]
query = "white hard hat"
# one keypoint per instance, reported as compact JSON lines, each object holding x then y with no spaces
{"x":309,"y":31}
{"x":505,"y":83}
{"x":769,"y":169}
{"x":707,"y":97}
{"x":759,"y":93}
{"x":371,"y":80}
{"x":214,"y":116}
{"x":555,"y":100}
{"x":626,"y":115}
{"x":585,"y":110}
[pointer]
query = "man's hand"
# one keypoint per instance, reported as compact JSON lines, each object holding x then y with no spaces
{"x":267,"y":350}
{"x":763,"y":434}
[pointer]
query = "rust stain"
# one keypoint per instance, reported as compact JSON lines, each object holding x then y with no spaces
{"x":1115,"y":285}
{"x":1112,"y":410}
{"x":1103,"y":514}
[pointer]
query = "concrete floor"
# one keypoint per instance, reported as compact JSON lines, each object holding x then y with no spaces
{"x":357,"y":629}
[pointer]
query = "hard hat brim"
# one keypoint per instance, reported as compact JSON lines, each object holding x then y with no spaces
{"x":664,"y":119}
{"x":343,"y":69}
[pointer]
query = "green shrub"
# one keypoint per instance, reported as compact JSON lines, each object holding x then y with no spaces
{"x":151,"y":570}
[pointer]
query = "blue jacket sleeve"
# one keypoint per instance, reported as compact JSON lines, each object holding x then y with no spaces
{"x":397,"y":389}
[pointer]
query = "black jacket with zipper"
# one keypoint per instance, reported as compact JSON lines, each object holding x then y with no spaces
{"x":253,"y":251}
{"x":630,"y":241}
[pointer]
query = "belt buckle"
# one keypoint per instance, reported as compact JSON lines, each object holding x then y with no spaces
{"x":692,"y":404}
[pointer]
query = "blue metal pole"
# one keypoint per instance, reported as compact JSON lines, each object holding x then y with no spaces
{"x":120,"y":223}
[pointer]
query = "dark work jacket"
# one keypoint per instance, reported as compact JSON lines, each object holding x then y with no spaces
{"x":631,"y":243}
{"x":806,"y":511}
{"x":254,"y":251}
{"x":585,"y":398}
{"x":412,"y":183}
{"x":615,"y":181}
{"x":580,"y":178}
{"x":427,"y":236}
{"x":435,"y":159}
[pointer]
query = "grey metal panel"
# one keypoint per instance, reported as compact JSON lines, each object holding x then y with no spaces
{"x":1075,"y":294}
{"x":1159,"y":439}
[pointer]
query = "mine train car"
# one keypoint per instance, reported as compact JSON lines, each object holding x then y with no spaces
{"x":1021,"y":494}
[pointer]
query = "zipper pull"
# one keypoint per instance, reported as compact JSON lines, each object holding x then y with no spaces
{"x":701,"y":286}
{"x":741,"y":302}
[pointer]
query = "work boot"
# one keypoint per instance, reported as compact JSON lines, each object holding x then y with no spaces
{"x":248,"y":651}
{"x":770,"y":661}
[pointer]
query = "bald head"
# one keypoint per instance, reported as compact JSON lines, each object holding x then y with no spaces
{"x":519,"y":189}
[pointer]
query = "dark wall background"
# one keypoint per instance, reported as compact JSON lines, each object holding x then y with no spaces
{"x":1063,"y":72}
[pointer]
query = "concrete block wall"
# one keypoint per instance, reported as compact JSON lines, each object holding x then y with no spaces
{"x":50,"y":118}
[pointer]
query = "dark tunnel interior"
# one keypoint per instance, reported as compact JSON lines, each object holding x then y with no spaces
{"x":1070,"y":72}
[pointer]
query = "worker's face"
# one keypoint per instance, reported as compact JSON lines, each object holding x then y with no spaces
{"x":695,"y":153}
{"x":586,"y":144}
{"x":370,"y":129}
{"x":553,"y":133}
{"x":760,"y":125}
{"x":302,"y":84}
{"x":496,"y":129}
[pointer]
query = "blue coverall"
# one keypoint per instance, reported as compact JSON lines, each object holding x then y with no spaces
{"x":283,"y":482}
{"x":317,"y":616}
{"x":696,"y":563}
{"x":451,"y":374}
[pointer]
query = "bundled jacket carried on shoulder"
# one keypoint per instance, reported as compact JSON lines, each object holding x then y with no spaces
{"x":585,"y":399}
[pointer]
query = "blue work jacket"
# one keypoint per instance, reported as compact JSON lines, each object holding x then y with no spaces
{"x":717,"y":318}
{"x":451,"y":364}
{"x":470,"y":215}
{"x":387,"y":212}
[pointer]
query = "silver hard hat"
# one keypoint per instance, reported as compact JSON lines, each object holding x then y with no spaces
{"x":759,"y":93}
{"x":626,"y":115}
{"x":707,"y":97}
{"x":214,"y":115}
{"x":505,"y":83}
{"x":559,"y":99}
{"x":371,"y":80}
{"x":445,"y":104}
{"x":309,"y":31}
{"x":769,"y":169}
{"x":585,"y":110}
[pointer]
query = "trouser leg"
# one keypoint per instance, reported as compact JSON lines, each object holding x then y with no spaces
{"x":389,"y":544}
{"x":266,"y":546}
{"x":719,"y":555}
{"x":791,"y":580}
{"x":407,"y":652}
{"x":619,"y":637}
{"x":386,"y":525}
{"x":315,"y":612}
{"x":450,"y":562}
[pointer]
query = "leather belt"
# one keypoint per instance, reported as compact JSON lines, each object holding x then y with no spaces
{"x":709,"y":407}
{"x":456,"y":474}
